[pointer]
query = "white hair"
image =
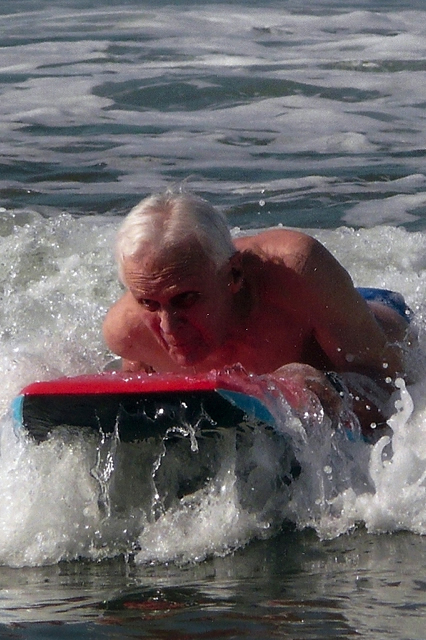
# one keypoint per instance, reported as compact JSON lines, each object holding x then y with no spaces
{"x":167,"y":220}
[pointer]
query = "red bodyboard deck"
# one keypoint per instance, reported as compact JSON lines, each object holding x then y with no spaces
{"x":122,"y":382}
{"x":138,"y":405}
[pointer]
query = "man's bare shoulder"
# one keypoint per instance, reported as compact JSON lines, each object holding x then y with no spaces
{"x":126,"y":334}
{"x":294,"y":261}
{"x":292,"y":248}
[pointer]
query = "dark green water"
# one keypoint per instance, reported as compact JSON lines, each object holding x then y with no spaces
{"x":295,"y":586}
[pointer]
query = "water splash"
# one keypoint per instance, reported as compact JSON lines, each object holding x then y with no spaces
{"x":186,"y":497}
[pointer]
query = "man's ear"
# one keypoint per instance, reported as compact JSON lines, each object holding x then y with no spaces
{"x":236,"y":274}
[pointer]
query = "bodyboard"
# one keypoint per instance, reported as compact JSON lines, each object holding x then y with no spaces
{"x":137,"y":406}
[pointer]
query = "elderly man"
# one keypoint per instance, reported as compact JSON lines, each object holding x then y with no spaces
{"x":273,"y":302}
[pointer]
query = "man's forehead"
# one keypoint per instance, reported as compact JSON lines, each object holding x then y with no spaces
{"x":187,"y":253}
{"x":168,"y":268}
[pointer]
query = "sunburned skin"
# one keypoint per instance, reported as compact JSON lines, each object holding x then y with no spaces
{"x":265,"y":311}
{"x":185,"y":304}
{"x":282,"y":301}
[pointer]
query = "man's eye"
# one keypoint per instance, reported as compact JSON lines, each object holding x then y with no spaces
{"x":186,"y":300}
{"x":149,"y":305}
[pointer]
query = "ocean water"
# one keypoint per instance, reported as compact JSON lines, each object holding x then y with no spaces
{"x":280,"y":113}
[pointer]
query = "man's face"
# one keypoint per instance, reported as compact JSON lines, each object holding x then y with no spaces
{"x":184,"y":299}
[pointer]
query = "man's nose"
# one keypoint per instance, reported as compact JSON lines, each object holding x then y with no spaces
{"x":169,"y":320}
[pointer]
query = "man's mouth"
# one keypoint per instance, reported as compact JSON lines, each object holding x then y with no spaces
{"x":174,"y":344}
{"x":183,"y":351}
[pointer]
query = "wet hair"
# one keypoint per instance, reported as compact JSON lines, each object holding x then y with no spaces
{"x":168,"y":220}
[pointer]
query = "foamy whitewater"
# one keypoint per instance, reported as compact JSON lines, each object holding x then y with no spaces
{"x":99,"y":498}
{"x":279,"y":116}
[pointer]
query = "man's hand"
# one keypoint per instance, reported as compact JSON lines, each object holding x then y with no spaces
{"x":303,"y":386}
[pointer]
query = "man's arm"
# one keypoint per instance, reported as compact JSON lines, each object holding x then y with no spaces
{"x":345,"y":329}
{"x":127,"y":336}
{"x":343,"y":324}
{"x":326,"y":300}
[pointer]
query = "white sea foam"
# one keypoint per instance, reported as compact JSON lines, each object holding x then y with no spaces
{"x":333,"y":89}
{"x":59,"y":282}
{"x":292,"y":107}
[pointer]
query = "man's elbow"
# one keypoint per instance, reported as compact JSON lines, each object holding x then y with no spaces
{"x":118,"y":339}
